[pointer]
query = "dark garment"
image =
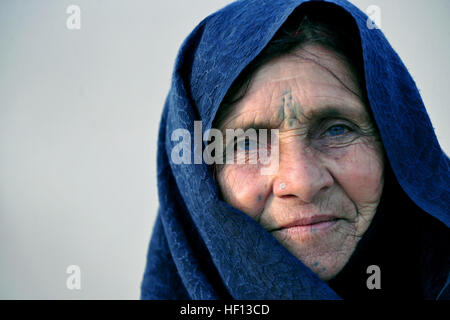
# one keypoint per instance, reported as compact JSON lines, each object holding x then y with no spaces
{"x":410,"y":247}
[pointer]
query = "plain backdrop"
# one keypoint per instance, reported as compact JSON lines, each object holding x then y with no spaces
{"x":79,"y":115}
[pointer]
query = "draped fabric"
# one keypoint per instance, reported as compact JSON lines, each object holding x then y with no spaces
{"x":202,"y":247}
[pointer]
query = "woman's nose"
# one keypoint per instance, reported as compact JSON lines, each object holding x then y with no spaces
{"x":300,"y":173}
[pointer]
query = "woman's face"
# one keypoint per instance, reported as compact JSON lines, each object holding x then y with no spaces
{"x":329,"y":180}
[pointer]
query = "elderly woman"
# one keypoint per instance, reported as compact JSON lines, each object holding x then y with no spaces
{"x":354,"y":200}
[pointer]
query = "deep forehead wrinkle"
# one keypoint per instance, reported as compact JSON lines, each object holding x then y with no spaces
{"x":290,"y":110}
{"x":263,"y":117}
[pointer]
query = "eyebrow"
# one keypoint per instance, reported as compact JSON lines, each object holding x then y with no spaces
{"x":337,"y":112}
{"x":329,"y":111}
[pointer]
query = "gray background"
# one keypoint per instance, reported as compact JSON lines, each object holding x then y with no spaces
{"x":79,"y":114}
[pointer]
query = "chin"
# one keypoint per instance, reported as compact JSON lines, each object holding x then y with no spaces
{"x":325,"y":253}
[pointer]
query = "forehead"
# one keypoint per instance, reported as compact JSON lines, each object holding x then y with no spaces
{"x":311,"y":79}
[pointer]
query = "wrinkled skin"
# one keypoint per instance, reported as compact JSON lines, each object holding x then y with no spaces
{"x":330,"y":157}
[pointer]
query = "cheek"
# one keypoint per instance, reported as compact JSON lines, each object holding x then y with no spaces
{"x":359,"y":171}
{"x":243,"y":188}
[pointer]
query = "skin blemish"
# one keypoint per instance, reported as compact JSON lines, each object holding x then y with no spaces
{"x":316,"y":264}
{"x":259,"y":197}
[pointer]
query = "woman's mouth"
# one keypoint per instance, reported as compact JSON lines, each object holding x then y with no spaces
{"x":311,"y":225}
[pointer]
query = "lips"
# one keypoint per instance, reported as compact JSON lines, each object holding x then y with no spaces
{"x":314,"y":221}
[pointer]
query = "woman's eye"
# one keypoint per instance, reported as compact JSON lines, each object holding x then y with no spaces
{"x":336,"y":130}
{"x":246,"y":145}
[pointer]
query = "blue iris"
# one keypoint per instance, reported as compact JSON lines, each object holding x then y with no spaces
{"x":337,"y":130}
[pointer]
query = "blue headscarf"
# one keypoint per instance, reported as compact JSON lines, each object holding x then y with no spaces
{"x":203,"y":248}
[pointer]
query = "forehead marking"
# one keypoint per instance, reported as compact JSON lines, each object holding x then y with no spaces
{"x":289,"y":109}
